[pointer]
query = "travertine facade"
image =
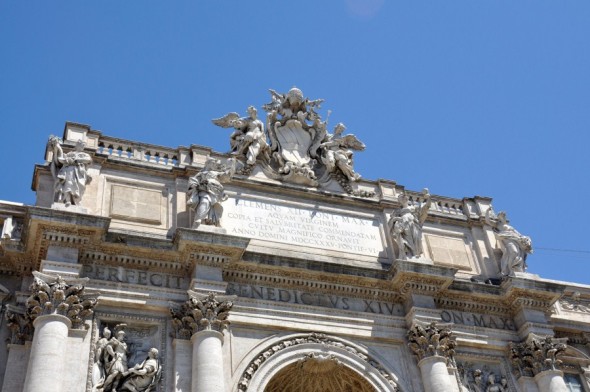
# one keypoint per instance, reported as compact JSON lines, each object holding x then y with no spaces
{"x":274,"y":267}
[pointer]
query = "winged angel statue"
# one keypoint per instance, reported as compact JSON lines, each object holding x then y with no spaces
{"x":248,"y":139}
{"x":295,"y":146}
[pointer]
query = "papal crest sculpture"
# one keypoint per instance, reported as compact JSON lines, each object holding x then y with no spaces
{"x":295,"y":146}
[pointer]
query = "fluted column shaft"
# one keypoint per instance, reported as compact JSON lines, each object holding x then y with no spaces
{"x":48,"y":354}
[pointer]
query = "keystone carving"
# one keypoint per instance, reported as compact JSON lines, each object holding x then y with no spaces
{"x":427,"y":340}
{"x":56,"y":295}
{"x":536,"y":354}
{"x":200,"y":312}
{"x":20,"y":325}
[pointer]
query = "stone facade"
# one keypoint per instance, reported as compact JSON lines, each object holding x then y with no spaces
{"x":274,"y":267}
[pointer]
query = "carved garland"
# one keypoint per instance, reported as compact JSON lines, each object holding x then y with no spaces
{"x":309,"y":338}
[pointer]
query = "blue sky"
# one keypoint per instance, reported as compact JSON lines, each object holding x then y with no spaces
{"x":473,"y":97}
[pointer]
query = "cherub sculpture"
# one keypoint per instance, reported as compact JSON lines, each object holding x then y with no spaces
{"x":336,"y":152}
{"x":405,"y":226}
{"x":248,"y":139}
{"x":206,"y":192}
{"x":514,"y":246}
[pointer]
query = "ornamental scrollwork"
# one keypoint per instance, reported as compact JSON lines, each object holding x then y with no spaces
{"x":200,"y":312}
{"x":58,"y":295}
{"x":427,"y":340}
{"x":313,"y":337}
{"x":537,"y":354}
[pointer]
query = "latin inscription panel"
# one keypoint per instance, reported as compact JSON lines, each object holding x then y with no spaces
{"x":306,"y":227}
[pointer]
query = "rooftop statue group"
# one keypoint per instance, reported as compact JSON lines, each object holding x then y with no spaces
{"x":110,"y":371}
{"x":69,"y":171}
{"x":300,"y":149}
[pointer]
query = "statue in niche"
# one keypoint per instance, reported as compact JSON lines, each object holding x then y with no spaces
{"x":69,"y":171}
{"x":336,"y":152}
{"x":101,"y":361}
{"x":143,"y":377}
{"x":248,"y":139}
{"x":406,"y":224}
{"x":206,"y":192}
{"x":514,"y":246}
{"x":115,"y":359}
{"x":110,"y":371}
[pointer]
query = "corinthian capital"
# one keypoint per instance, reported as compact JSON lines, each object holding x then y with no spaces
{"x":201,"y":312}
{"x":427,"y":340}
{"x":537,"y":354}
{"x":52,"y":294}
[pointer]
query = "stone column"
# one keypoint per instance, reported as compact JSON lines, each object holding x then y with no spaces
{"x":204,"y":317}
{"x":537,"y":356}
{"x":434,"y":346}
{"x":55,"y":306}
{"x":551,"y":381}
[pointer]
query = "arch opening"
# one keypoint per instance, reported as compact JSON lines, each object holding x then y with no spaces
{"x":318,"y":373}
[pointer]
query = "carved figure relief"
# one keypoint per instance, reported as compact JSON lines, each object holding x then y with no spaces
{"x":405,"y":226}
{"x":110,"y":371}
{"x":206,"y":192}
{"x":19,"y":324}
{"x":481,"y":379}
{"x":514,"y":246}
{"x":69,"y":172}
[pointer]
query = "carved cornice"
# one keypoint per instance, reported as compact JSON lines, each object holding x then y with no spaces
{"x":56,"y":295}
{"x":19,"y":323}
{"x":522,"y":293}
{"x":427,"y":340}
{"x":200,"y":312}
{"x":117,"y":259}
{"x":536,"y":354}
{"x":414,"y":277}
{"x":324,"y":340}
{"x":303,"y":280}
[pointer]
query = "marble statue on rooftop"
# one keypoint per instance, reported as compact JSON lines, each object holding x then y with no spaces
{"x":336,"y":152}
{"x":514,"y":246}
{"x":248,"y":139}
{"x":69,"y":172}
{"x":206,"y":192}
{"x":405,"y":226}
{"x":143,"y":377}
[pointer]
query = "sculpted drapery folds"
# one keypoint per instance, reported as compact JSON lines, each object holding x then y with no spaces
{"x":405,"y":226}
{"x":56,"y":295}
{"x":69,"y":172}
{"x":200,"y":312}
{"x":110,"y":371}
{"x":206,"y":192}
{"x":514,"y":246}
{"x":248,"y":139}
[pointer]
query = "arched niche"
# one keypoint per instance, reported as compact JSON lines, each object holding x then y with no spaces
{"x":306,"y":353}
